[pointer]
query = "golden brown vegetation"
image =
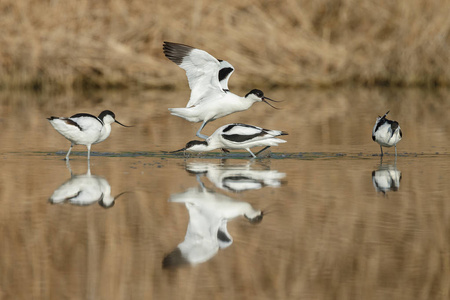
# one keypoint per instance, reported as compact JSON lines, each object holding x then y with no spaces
{"x":118,"y":43}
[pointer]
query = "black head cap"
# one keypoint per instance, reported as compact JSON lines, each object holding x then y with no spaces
{"x":256,"y":219}
{"x":174,"y":259}
{"x":195,"y":142}
{"x":256,"y":92}
{"x":104,"y":205}
{"x":105,"y":113}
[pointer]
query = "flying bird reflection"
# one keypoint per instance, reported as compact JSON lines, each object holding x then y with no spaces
{"x":209,"y":213}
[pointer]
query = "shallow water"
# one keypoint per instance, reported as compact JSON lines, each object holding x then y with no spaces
{"x":338,"y":222}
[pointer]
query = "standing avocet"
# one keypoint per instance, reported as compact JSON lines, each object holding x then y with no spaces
{"x":208,"y":79}
{"x":85,"y":129}
{"x":237,"y":136}
{"x":387,"y":133}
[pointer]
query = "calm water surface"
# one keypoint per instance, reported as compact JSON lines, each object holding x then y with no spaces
{"x":338,"y":222}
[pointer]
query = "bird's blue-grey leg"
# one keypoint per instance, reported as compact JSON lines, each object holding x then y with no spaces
{"x":68,"y":152}
{"x":381,"y":150}
{"x":248,"y":149}
{"x":202,"y":185}
{"x":262,"y":150}
{"x":395,"y":150}
{"x":89,"y":151}
{"x":202,"y":136}
{"x":68,"y":167}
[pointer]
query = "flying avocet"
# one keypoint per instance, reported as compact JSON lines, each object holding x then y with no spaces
{"x":208,"y":79}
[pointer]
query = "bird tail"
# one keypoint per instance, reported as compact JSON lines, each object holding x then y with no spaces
{"x":275,"y":133}
{"x":179,"y":112}
{"x":185,"y":113}
{"x":276,"y":141}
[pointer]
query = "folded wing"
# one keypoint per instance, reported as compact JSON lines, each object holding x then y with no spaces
{"x":242,"y":132}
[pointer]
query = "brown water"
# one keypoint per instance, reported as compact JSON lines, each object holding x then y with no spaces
{"x":339,"y":224}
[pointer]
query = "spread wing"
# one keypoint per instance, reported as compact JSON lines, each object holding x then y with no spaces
{"x":226,"y":69}
{"x":202,"y":70}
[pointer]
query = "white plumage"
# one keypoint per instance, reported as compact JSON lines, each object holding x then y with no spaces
{"x":386,"y":133}
{"x":237,"y":136}
{"x":84,"y":190}
{"x":85,"y":129}
{"x":207,"y":232}
{"x":386,"y":178}
{"x":208,"y":80}
{"x":237,"y":178}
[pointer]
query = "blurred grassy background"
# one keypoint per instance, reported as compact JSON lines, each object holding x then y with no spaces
{"x":118,"y":43}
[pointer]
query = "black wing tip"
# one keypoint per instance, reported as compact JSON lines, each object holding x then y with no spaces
{"x":176,"y":51}
{"x":52,"y":118}
{"x":174,"y":259}
{"x":284,"y":133}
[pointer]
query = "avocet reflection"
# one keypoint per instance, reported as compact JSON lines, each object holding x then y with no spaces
{"x":387,"y":178}
{"x":84,"y":189}
{"x":237,"y":178}
{"x":209,"y":213}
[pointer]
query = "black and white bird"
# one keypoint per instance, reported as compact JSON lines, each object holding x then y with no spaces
{"x":387,"y":133}
{"x":208,"y":80}
{"x":387,"y":178}
{"x":209,"y":214}
{"x":85,"y":129}
{"x":83,"y":190}
{"x":237,"y":177}
{"x":237,"y":136}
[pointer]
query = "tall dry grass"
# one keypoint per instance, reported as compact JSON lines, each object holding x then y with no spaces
{"x":118,"y":43}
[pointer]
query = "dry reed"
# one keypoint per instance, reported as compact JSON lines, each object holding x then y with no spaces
{"x":117,"y":43}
